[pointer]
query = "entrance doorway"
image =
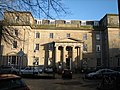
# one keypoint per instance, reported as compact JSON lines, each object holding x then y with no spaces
{"x":68,"y":63}
{"x":69,"y":58}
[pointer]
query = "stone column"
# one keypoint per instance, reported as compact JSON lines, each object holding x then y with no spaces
{"x":64,"y":56}
{"x":73,"y":56}
{"x":56,"y":54}
{"x":78,"y":57}
{"x":81,"y":54}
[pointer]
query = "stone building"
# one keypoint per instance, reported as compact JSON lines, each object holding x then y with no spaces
{"x":73,"y":44}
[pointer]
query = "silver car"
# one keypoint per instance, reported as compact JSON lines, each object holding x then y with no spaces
{"x":30,"y":71}
{"x":8,"y":70}
{"x":98,"y":74}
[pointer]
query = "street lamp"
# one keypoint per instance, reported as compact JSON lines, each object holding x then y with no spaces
{"x":34,"y":61}
{"x":20,"y":54}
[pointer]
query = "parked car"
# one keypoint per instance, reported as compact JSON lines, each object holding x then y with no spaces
{"x":99,"y":73}
{"x":30,"y":71}
{"x":12,"y":82}
{"x":40,"y":69}
{"x":48,"y":70}
{"x":8,"y":70}
{"x":67,"y":74}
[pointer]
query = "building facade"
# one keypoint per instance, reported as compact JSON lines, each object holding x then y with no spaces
{"x":73,"y":44}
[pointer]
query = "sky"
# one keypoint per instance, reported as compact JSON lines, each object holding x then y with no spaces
{"x":85,"y":9}
{"x":89,"y":9}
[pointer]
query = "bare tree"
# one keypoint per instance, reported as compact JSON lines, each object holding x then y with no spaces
{"x":36,"y":7}
{"x":39,"y":8}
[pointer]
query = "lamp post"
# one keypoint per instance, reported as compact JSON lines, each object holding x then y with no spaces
{"x":20,"y":54}
{"x":53,"y":57}
{"x":34,"y":61}
{"x":33,"y":64}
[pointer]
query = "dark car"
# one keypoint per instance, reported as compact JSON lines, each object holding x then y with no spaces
{"x":48,"y":70}
{"x":99,"y":73}
{"x":67,"y":74}
{"x":12,"y":82}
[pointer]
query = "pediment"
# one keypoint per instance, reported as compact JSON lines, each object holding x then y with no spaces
{"x":65,"y":40}
{"x":12,"y":53}
{"x":69,"y":40}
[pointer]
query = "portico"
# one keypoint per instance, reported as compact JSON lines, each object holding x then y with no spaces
{"x":68,"y":53}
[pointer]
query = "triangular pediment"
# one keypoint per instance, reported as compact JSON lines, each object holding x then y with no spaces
{"x":12,"y":53}
{"x":69,"y":40}
{"x":65,"y":40}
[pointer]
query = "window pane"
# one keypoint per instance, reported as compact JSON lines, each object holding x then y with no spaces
{"x":37,"y":35}
{"x":84,"y":36}
{"x":36,"y":62}
{"x":37,"y":47}
{"x":51,"y":35}
{"x":15,"y":32}
{"x":84,"y":47}
{"x":97,"y":36}
{"x":14,"y":44}
{"x":68,"y":35}
{"x":98,"y":48}
{"x":50,"y":46}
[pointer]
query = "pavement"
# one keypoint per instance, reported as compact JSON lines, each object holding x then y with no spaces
{"x":74,"y":76}
{"x":76,"y":83}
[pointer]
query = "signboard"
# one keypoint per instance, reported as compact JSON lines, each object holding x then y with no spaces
{"x":20,"y":53}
